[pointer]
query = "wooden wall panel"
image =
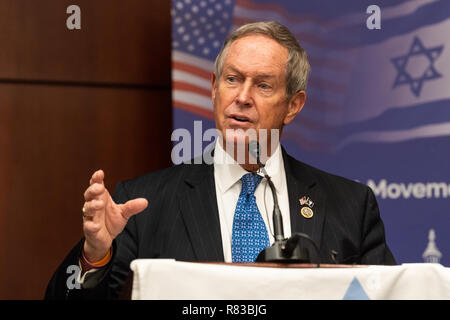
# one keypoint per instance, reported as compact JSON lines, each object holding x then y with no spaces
{"x":60,"y":136}
{"x":72,"y":102}
{"x":117,"y":43}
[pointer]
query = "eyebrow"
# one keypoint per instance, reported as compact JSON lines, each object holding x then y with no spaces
{"x":257,"y":77}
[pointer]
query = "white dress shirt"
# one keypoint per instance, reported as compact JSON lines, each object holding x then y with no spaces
{"x":227,"y":175}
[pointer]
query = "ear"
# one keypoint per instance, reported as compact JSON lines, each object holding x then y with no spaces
{"x":213,"y":86}
{"x":295,"y":106}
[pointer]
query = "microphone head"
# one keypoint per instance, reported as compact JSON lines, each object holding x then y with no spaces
{"x":253,"y":148}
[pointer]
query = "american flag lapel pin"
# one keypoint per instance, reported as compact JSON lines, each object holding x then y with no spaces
{"x":306,"y":203}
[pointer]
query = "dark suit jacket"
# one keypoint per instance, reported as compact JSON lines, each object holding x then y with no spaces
{"x":182,"y":222}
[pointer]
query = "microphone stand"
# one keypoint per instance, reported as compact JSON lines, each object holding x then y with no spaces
{"x":283,"y":250}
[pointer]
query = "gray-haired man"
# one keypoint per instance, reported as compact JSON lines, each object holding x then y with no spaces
{"x":204,"y":212}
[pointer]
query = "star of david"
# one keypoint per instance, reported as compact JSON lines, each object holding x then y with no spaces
{"x":404,"y":78}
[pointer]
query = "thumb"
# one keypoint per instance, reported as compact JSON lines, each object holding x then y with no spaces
{"x":133,"y":207}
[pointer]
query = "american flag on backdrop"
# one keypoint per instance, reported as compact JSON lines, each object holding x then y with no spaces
{"x":198,"y":31}
{"x":356,"y":79}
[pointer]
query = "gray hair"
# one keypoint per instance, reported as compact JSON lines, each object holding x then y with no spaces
{"x":297,"y":65}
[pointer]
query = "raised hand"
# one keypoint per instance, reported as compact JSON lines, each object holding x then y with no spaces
{"x":103,"y":219}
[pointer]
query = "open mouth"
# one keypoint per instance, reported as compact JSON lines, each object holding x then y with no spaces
{"x":240,"y":119}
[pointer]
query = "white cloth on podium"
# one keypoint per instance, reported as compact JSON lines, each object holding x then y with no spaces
{"x":169,"y":279}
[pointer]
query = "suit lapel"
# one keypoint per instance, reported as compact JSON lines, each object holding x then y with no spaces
{"x":198,"y":205}
{"x":301,"y":182}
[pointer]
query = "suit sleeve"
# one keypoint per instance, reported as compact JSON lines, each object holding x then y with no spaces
{"x":110,"y":284}
{"x":374,"y":249}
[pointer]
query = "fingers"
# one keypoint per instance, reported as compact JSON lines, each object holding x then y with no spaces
{"x":95,"y":199}
{"x":97,"y":177}
{"x":93,"y":210}
{"x":94,"y":191}
{"x":133,"y":207}
{"x":90,"y":226}
{"x":90,"y":207}
{"x":96,"y":186}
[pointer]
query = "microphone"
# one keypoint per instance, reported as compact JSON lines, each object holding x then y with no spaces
{"x":255,"y":151}
{"x":283,"y":250}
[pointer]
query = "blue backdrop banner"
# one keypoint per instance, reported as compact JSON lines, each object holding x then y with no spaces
{"x":378,"y":99}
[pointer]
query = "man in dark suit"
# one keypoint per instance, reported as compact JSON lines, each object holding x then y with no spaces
{"x":207,"y":212}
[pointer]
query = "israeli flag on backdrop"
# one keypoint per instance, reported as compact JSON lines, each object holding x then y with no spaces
{"x":404,"y":78}
{"x":392,"y":85}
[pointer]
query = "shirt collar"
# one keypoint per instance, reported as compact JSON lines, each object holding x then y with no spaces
{"x":228,"y":171}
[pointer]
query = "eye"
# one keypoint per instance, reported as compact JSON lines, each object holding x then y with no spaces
{"x":264,"y":86}
{"x":231,"y":79}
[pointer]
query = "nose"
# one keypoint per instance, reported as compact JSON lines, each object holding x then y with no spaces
{"x":244,"y":96}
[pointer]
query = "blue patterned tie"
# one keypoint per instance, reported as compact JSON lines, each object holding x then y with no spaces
{"x":250,"y":235}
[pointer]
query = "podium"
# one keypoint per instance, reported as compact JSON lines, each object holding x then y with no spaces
{"x":167,"y":279}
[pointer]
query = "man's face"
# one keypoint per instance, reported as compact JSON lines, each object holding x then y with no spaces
{"x":251,"y":91}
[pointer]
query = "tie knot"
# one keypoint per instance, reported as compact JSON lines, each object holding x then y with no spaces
{"x":249,"y":183}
